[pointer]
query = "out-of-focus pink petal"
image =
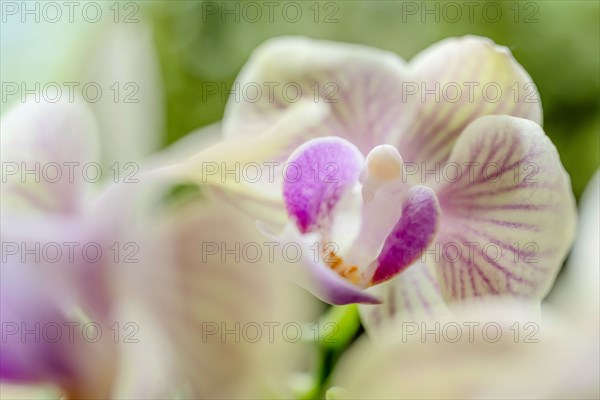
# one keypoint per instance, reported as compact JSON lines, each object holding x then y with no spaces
{"x":71,"y":254}
{"x":454,"y":82}
{"x":509,"y":219}
{"x":26,"y":307}
{"x":43,"y":339}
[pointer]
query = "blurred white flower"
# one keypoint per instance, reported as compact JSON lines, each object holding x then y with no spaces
{"x":171,"y":295}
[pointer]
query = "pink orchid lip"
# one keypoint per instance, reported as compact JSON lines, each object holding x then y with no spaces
{"x":324,"y":169}
{"x":411,"y":235}
{"x":311,"y":202}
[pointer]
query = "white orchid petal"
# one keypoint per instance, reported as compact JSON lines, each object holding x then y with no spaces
{"x":360,"y":86}
{"x":49,"y":156}
{"x":454,"y":82}
{"x":414,"y":295}
{"x":501,"y":350}
{"x":577,"y":289}
{"x":508,"y":223}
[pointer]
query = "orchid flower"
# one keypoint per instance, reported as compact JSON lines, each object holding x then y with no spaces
{"x":526,"y":361}
{"x":38,"y":291}
{"x":384,"y":233}
{"x":170,"y":296}
{"x":60,"y":137}
{"x":40,"y":137}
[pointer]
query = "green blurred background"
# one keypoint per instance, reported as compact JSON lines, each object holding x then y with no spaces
{"x":556,"y":41}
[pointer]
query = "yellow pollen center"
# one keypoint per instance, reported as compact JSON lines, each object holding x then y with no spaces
{"x":348,"y":272}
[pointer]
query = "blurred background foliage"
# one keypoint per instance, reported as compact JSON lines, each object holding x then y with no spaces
{"x":556,"y":41}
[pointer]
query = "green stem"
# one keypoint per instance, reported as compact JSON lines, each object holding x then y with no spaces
{"x":337,"y":329}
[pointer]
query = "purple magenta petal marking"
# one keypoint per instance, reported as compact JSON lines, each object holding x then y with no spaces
{"x":25,"y":306}
{"x":411,"y":235}
{"x":337,"y":291}
{"x":316,"y":176}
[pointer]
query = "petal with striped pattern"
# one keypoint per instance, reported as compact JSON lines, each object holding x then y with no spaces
{"x":412,"y":296}
{"x":360,"y":87}
{"x":454,"y":82}
{"x":508,"y":220}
